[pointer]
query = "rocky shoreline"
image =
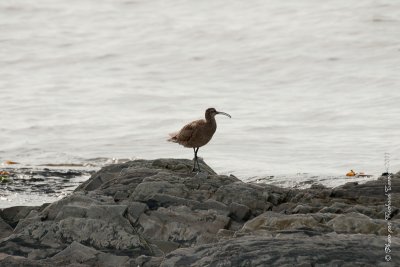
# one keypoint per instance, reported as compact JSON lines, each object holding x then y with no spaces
{"x":159,"y":213}
{"x":37,"y":185}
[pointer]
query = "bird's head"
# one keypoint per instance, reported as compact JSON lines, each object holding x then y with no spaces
{"x":211,"y":112}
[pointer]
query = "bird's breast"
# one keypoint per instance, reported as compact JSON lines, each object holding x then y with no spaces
{"x":203,"y":136}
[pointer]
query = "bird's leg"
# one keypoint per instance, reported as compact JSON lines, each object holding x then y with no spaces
{"x":194,"y":160}
{"x":197,"y":159}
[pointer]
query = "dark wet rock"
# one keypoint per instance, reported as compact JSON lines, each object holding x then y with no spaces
{"x":272,"y":221}
{"x":121,"y":195}
{"x":239,"y":212}
{"x":77,"y":253}
{"x":5,"y":229}
{"x":285,"y":250}
{"x":14,"y":214}
{"x":159,"y":213}
{"x":370,"y":193}
{"x":135,"y":210}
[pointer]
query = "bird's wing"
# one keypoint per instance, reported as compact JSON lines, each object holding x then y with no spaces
{"x":188,"y":130}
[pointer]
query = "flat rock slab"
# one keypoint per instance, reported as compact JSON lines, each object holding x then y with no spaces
{"x":287,"y":250}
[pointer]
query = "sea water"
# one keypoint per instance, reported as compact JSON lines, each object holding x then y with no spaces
{"x":312,"y":86}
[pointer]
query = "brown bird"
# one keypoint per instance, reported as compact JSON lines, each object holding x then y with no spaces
{"x":197,"y":133}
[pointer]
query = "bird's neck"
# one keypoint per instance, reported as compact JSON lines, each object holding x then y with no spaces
{"x":211,"y":121}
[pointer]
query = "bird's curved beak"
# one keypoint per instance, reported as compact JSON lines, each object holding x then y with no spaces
{"x":223,"y":113}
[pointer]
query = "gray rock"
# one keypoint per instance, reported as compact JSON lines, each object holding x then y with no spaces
{"x":369,"y":193}
{"x":225,"y":234}
{"x":336,"y":207}
{"x":211,"y":204}
{"x":304,"y":209}
{"x":286,"y":250}
{"x":250,"y":195}
{"x":121,"y":195}
{"x":12,"y":215}
{"x":372,"y":212}
{"x":77,"y":253}
{"x":239,"y":212}
{"x":78,"y":200}
{"x":146,"y":190}
{"x":272,"y":221}
{"x":106,"y":174}
{"x":182,"y":225}
{"x":5,"y":229}
{"x":157,"y":212}
{"x":358,"y":223}
{"x":94,"y":232}
{"x":146,"y":261}
{"x":181,"y":165}
{"x":135,"y":209}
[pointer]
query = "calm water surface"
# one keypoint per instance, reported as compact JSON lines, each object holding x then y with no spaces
{"x":312,"y":87}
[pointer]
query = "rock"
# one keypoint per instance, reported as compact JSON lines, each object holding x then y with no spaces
{"x":372,"y":212}
{"x":77,"y":253}
{"x":336,"y":207}
{"x":285,"y":250}
{"x":249,"y":195}
{"x":78,"y":200}
{"x":182,"y":226}
{"x":147,"y":190}
{"x":358,"y":223}
{"x":285,"y":208}
{"x":146,"y":261}
{"x":121,"y":195}
{"x":225,"y":234}
{"x":5,"y":229}
{"x":304,"y":209}
{"x":12,"y":215}
{"x":272,"y":221}
{"x":107,"y":174}
{"x":135,"y":209}
{"x":369,"y":193}
{"x":181,"y":165}
{"x":159,"y":213}
{"x":239,"y":212}
{"x":211,"y":204}
{"x":12,"y":260}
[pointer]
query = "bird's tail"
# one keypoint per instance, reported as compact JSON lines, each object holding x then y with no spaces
{"x":173,"y":137}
